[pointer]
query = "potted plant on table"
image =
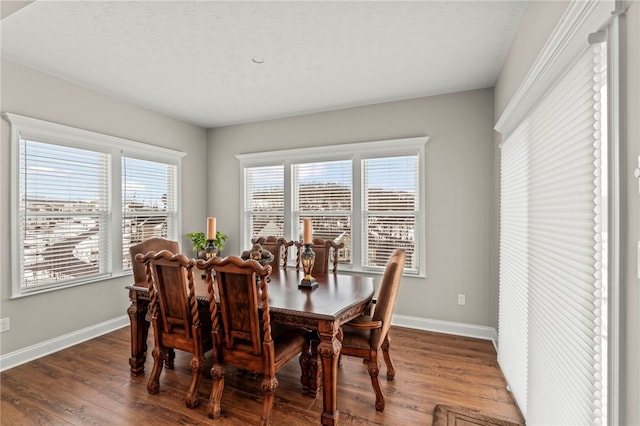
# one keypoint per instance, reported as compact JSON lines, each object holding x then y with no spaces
{"x":200,"y":242}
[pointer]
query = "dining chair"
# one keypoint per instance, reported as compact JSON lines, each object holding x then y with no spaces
{"x":243,"y":334}
{"x":368,"y":335}
{"x":279,"y":247}
{"x":140,"y":276}
{"x":150,"y":244}
{"x":176,"y":321}
{"x":324,"y":251}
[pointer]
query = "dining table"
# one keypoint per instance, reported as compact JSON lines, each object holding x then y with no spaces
{"x":338,"y":298}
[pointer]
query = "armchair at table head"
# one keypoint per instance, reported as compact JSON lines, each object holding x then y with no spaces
{"x":176,"y":321}
{"x":150,"y":244}
{"x":279,"y":247}
{"x":366,"y":336}
{"x":244,"y":336}
{"x":324,"y":250}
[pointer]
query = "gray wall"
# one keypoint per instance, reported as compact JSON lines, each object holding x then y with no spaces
{"x":536,"y":25}
{"x":458,"y":192}
{"x":39,"y":318}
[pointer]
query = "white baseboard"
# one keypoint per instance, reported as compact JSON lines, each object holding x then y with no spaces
{"x":447,"y":327}
{"x":36,"y":351}
{"x":21,"y":356}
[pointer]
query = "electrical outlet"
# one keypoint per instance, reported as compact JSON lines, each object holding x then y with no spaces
{"x":462,"y":299}
{"x":4,"y":325}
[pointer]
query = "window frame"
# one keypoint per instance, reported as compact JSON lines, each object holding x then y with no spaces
{"x":27,"y":128}
{"x":354,"y":152}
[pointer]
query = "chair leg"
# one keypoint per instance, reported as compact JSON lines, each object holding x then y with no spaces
{"x":197,"y":363}
{"x":217,"y":375}
{"x":171,"y":356}
{"x":269,"y":386}
{"x":305,"y":356}
{"x":374,"y":369}
{"x":159,"y":355}
{"x":391,"y":371}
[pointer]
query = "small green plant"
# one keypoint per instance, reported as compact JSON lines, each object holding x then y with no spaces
{"x":200,"y":242}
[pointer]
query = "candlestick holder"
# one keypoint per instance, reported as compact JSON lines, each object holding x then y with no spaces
{"x":210,"y":251}
{"x":308,"y":258}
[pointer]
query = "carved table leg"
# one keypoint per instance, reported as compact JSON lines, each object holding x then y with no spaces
{"x":329,"y":350}
{"x":139,"y":332}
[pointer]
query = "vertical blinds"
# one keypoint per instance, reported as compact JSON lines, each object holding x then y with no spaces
{"x":64,"y":213}
{"x":552,"y":274}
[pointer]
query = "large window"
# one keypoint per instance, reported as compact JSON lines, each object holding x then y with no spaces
{"x":367,"y":196}
{"x":80,"y":199}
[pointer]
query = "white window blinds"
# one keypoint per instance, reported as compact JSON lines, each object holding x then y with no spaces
{"x":149,"y":202}
{"x":390,"y":208}
{"x":264,"y":206}
{"x":322,"y":193}
{"x":64,"y":213}
{"x":79,"y":199}
{"x":552,"y":274}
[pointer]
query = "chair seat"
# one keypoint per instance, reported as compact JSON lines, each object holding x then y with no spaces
{"x":287,"y":342}
{"x":356,"y":337}
{"x":287,"y":339}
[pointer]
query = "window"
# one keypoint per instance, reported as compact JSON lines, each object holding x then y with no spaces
{"x":80,"y":199}
{"x":366,"y":195}
{"x":149,"y":205}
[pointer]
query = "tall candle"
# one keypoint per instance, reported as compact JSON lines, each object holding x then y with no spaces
{"x":307,"y":231}
{"x":211,"y":228}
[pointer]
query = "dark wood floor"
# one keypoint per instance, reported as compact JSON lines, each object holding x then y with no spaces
{"x":89,"y":384}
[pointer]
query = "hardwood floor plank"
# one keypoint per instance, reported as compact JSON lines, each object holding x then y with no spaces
{"x":90,"y":384}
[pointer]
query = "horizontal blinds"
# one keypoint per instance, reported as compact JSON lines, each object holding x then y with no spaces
{"x":323,"y":193}
{"x":63,"y":215}
{"x":513,"y":293}
{"x":264,"y":189}
{"x":390,"y":191}
{"x":149,"y":202}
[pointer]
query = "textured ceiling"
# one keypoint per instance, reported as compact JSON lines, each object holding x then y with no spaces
{"x":194,"y":60}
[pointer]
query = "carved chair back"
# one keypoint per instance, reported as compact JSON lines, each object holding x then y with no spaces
{"x":279,"y":247}
{"x":241,"y":301}
{"x":326,"y":252}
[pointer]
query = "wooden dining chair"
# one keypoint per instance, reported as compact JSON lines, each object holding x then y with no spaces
{"x":366,"y":336}
{"x":325,"y":250}
{"x":279,"y":247}
{"x":150,"y":244}
{"x":176,"y":321}
{"x":243,"y":334}
{"x":140,"y":278}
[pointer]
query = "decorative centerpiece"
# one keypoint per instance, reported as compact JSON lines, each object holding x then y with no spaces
{"x":210,"y":244}
{"x":308,"y":258}
{"x":263,"y":256}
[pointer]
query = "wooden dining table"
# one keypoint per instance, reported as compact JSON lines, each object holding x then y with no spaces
{"x":338,"y":299}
